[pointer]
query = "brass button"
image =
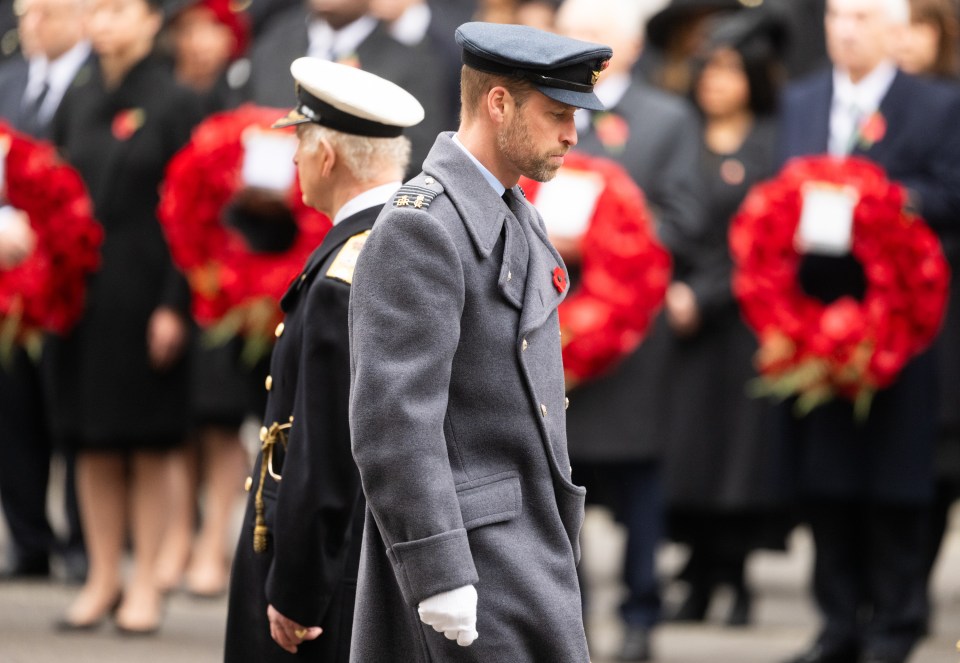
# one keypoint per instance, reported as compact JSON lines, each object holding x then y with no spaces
{"x":263,"y":433}
{"x":566,"y":403}
{"x":428,"y":180}
{"x":543,"y":409}
{"x":279,"y":331}
{"x":247,"y":484}
{"x":524,"y":345}
{"x":303,"y":277}
{"x":269,"y":383}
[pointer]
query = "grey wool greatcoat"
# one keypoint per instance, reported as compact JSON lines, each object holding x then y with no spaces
{"x":458,"y":426}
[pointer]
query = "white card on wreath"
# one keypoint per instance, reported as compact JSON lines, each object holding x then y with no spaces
{"x":567,"y":202}
{"x":268,"y":160}
{"x":826,"y":221}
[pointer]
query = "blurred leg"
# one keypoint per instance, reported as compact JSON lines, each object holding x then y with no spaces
{"x":149,"y":493}
{"x":224,"y":468}
{"x":102,"y":493}
{"x":181,"y":504}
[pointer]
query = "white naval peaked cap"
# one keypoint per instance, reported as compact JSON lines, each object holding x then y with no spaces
{"x":350,"y":100}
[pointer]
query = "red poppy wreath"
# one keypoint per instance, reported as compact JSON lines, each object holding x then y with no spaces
{"x":46,"y":290}
{"x":624,"y":271}
{"x":849,"y":348}
{"x":236,"y":284}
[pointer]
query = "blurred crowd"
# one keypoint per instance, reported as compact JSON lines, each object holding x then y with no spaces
{"x":705,"y":98}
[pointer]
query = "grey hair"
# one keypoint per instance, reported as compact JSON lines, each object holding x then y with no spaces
{"x":362,"y":155}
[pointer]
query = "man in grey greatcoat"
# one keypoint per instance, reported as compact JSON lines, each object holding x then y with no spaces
{"x":457,"y":404}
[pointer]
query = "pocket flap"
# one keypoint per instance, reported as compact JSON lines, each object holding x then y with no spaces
{"x":489,"y":500}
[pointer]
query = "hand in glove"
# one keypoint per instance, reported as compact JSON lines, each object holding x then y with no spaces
{"x":452,"y":613}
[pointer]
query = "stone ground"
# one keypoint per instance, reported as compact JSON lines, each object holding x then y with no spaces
{"x":784,"y":618}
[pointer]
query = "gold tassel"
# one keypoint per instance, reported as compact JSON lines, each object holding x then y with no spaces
{"x":260,"y":527}
{"x":269,"y":437}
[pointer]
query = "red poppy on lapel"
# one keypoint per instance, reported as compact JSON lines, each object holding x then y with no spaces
{"x":872,"y":130}
{"x":612,"y":130}
{"x":127,"y":122}
{"x":559,"y":279}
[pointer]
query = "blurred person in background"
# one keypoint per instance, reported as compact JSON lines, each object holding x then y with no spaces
{"x":928,"y":46}
{"x":866,"y":486}
{"x":31,"y":89}
{"x":719,"y":457}
{"x":205,"y":39}
{"x":346,"y":31}
{"x":119,"y":381}
{"x":615,"y":423}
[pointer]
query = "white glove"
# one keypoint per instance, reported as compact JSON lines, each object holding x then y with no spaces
{"x":452,"y":613}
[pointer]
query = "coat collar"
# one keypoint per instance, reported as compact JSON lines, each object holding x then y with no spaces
{"x":482,"y":210}
{"x":338,"y":234}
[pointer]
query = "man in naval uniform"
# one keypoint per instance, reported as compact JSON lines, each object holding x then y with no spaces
{"x":457,"y":397}
{"x":294,"y":575}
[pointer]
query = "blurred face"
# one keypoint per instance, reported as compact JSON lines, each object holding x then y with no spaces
{"x":49,"y":27}
{"x":723,"y":88}
{"x":202,"y":44}
{"x":340,"y":12}
{"x":119,"y":27}
{"x":390,"y":10}
{"x":535,"y":137}
{"x":858,"y":35}
{"x":916,"y":47}
{"x":579,"y":21}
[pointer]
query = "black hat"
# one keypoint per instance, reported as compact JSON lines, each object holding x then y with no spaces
{"x":564,"y":69}
{"x":350,"y":100}
{"x":664,"y":23}
{"x":760,"y":34}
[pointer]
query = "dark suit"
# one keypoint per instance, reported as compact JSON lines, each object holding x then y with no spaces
{"x":315,"y":515}
{"x":615,"y":426}
{"x":25,"y":446}
{"x":414,"y":68}
{"x":867,"y":485}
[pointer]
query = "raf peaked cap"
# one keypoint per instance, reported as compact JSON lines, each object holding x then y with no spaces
{"x":564,"y":69}
{"x":350,"y":100}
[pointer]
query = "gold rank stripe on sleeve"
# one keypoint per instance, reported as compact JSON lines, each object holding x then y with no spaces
{"x":341,"y":269}
{"x":414,"y":197}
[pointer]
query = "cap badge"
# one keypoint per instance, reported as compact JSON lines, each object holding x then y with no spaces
{"x":597,"y":72}
{"x":559,"y":279}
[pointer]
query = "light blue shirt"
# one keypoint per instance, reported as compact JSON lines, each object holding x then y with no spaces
{"x":487,"y":175}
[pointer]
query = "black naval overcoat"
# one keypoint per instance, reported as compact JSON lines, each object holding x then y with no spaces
{"x":315,"y":513}
{"x":105,"y":393}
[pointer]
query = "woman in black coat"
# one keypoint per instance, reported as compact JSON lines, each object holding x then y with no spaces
{"x":720,"y":443}
{"x":119,"y":383}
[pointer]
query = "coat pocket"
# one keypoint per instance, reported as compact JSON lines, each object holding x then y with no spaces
{"x":493,"y":499}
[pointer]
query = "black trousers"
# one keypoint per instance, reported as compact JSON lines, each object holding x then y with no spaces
{"x":869,"y":575}
{"x":25,"y":451}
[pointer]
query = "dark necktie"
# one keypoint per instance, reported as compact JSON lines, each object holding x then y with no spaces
{"x":30,"y":113}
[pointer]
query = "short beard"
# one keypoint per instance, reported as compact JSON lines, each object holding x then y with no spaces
{"x":515,"y":144}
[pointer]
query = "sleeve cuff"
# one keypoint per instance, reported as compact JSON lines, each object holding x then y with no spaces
{"x":438,"y":563}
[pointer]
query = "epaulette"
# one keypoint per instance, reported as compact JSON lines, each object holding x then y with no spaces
{"x":341,"y":269}
{"x":418,"y":193}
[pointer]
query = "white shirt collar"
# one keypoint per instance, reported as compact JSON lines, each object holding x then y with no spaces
{"x":411,"y":27}
{"x":58,"y":74}
{"x":377,"y":196}
{"x":487,"y":175}
{"x":866,"y":94}
{"x":329,"y":44}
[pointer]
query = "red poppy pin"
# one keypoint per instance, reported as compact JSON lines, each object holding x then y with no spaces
{"x":612,"y":130}
{"x":127,"y":122}
{"x":872,"y":130}
{"x":559,"y":279}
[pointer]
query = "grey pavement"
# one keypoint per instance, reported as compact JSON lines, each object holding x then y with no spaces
{"x":784,"y":618}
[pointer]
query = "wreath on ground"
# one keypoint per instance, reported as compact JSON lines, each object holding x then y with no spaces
{"x":46,"y":291}
{"x":624,"y":271}
{"x":237,"y":275}
{"x":848,"y":348}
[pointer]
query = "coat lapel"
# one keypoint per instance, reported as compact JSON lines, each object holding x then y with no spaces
{"x":484,"y":214}
{"x":547,"y":282}
{"x":893,"y":107}
{"x":817,"y":136}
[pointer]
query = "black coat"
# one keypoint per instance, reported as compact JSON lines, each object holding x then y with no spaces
{"x":889,"y":457}
{"x":104,"y":391}
{"x":721,"y":442}
{"x":315,"y":514}
{"x":414,"y":68}
{"x":620,"y":416}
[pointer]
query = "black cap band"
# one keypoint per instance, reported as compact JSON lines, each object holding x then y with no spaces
{"x":326,"y":115}
{"x":491,"y":67}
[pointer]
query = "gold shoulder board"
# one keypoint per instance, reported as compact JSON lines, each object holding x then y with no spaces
{"x":343,"y":265}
